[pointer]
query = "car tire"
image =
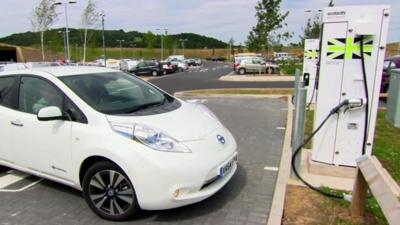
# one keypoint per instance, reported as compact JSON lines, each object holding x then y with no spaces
{"x":154,"y":73}
{"x":112,"y":199}
{"x":164,"y":72}
{"x":242,"y":71}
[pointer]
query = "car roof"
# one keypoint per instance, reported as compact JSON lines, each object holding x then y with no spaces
{"x":60,"y":71}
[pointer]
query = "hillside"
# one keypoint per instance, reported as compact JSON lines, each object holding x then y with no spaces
{"x":54,"y":39}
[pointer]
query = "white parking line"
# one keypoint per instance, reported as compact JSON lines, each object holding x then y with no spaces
{"x":11,"y":178}
{"x":271,"y":168}
{"x":281,"y":128}
{"x":14,"y":177}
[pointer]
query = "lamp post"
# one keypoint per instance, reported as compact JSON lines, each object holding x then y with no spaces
{"x":65,"y":3}
{"x":104,"y":40}
{"x":65,"y":47}
{"x":120,"y":48}
{"x":183,"y":44}
{"x":162,"y":41}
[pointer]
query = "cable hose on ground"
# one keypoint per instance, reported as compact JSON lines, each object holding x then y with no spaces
{"x":298,"y":149}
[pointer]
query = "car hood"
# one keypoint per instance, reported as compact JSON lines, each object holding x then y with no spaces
{"x":187,"y":123}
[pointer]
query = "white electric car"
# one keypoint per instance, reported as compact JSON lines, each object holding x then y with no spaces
{"x":125,"y":143}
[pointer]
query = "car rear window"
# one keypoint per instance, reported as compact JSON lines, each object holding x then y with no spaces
{"x":6,"y":91}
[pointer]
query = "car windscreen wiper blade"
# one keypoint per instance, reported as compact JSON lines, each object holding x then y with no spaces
{"x":147,"y":105}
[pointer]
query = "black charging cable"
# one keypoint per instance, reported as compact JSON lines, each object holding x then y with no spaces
{"x":366,"y":95}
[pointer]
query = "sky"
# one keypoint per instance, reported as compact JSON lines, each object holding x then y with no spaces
{"x":221,"y":19}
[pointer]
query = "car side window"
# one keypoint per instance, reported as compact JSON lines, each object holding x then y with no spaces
{"x":6,"y":91}
{"x":74,"y":113}
{"x":36,"y":93}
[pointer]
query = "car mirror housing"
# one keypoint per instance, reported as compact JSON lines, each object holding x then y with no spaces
{"x":50,"y":113}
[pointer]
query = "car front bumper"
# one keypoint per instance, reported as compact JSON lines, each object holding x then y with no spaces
{"x":179,"y":179}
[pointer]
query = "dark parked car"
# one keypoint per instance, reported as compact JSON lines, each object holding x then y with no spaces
{"x":389,"y":64}
{"x":153,"y":68}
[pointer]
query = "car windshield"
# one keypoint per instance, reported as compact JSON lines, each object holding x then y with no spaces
{"x":115,"y":92}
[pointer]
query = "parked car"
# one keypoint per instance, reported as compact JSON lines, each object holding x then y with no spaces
{"x":169,"y":67}
{"x":152,"y":68}
{"x":255,"y":64}
{"x":180,"y":64}
{"x":97,"y":62}
{"x":198,"y":62}
{"x":251,"y":65}
{"x":113,"y":64}
{"x":194,"y":62}
{"x":190,"y":62}
{"x":128,"y":65}
{"x":175,"y":57}
{"x":125,"y":143}
{"x":388,"y":65}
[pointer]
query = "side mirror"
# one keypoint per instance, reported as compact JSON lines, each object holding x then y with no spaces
{"x":50,"y":113}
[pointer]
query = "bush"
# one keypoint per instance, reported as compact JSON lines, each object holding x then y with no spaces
{"x":289,"y":67}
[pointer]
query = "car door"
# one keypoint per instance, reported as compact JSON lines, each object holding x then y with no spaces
{"x":8,"y":91}
{"x":44,"y":146}
{"x":141,"y":68}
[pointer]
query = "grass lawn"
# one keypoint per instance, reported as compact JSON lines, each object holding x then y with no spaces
{"x":301,"y":201}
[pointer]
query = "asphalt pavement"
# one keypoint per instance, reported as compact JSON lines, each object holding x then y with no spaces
{"x":207,"y":77}
{"x":246,"y":199}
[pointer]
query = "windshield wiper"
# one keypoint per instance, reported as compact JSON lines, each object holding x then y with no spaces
{"x":147,"y":105}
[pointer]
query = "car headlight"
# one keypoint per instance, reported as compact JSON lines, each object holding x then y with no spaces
{"x":150,"y":137}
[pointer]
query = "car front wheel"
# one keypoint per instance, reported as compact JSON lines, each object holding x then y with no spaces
{"x":242,"y":71}
{"x":109,"y":192}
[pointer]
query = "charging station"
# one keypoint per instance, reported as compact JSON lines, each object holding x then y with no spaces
{"x":310,"y":67}
{"x":353,"y":47}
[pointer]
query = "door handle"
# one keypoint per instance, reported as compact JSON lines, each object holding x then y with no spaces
{"x":17,"y":123}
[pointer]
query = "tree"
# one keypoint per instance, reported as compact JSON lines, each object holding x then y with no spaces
{"x":169,"y":43}
{"x":43,"y":15}
{"x":269,"y":20}
{"x":312,"y":29}
{"x":150,"y":39}
{"x":90,"y":17}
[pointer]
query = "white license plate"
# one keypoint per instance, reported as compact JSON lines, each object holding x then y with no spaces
{"x":225,"y":169}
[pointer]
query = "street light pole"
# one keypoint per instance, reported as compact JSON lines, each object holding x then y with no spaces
{"x":162,"y":40}
{"x":66,"y":23}
{"x":120,"y":48}
{"x":65,"y":48}
{"x":104,"y":40}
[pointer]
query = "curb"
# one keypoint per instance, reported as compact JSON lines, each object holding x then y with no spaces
{"x":278,"y":201}
{"x":188,"y":94}
{"x":250,"y":78}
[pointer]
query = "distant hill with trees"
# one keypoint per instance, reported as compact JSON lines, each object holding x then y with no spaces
{"x":54,"y":38}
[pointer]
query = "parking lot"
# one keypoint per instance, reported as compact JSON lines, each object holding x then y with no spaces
{"x":246,"y":199}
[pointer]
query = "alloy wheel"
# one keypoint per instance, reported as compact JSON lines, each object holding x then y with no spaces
{"x":111,"y":192}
